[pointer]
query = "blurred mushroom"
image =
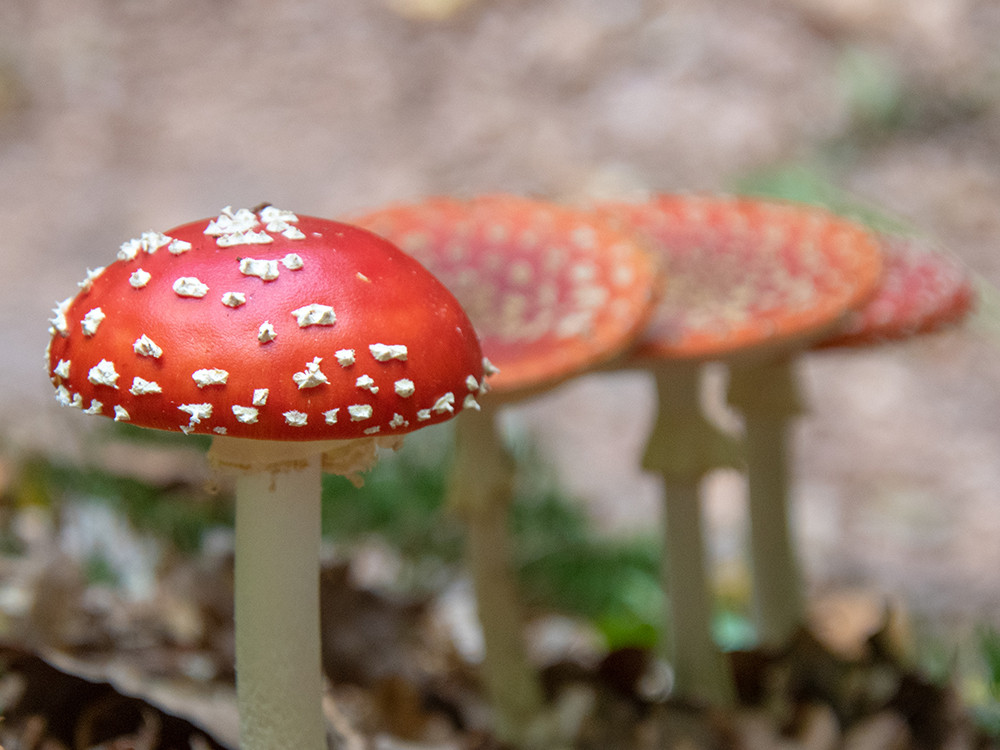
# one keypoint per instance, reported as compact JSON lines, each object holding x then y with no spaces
{"x":299,"y":344}
{"x":553,"y":292}
{"x":748,"y":281}
{"x":918,"y":292}
{"x":921,"y":291}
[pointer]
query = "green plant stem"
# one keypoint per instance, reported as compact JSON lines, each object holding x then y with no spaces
{"x":682,"y":448}
{"x":480,"y":492}
{"x":279,"y":679}
{"x":768,"y":396}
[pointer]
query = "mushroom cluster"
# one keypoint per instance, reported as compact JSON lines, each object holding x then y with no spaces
{"x":749,"y":281}
{"x":300,"y":344}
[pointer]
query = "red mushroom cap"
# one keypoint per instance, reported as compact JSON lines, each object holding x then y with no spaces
{"x":920,"y":291}
{"x":552,"y":290}
{"x":748,"y":277}
{"x":265,"y":325}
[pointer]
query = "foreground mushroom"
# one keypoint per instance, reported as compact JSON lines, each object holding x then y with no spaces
{"x":553,"y":292}
{"x":300,"y":344}
{"x":749,"y":281}
{"x":919,"y":292}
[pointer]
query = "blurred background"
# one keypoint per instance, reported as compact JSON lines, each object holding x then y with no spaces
{"x":118,"y":116}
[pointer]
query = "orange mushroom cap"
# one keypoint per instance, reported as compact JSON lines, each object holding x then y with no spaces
{"x":920,"y":291}
{"x":263,"y":324}
{"x":748,"y":276}
{"x":552,"y":290}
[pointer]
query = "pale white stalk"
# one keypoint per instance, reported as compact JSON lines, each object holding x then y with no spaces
{"x":682,"y":448}
{"x":279,"y":680}
{"x":278,"y":666}
{"x":768,"y":396}
{"x":480,"y":492}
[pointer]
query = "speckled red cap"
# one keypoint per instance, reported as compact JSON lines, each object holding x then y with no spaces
{"x":263,"y":324}
{"x":920,"y":291}
{"x":552,"y":290}
{"x":748,"y":277}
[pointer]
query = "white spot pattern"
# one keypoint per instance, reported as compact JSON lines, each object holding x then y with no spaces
{"x":209,"y":376}
{"x":266,"y":333}
{"x":234,"y":299}
{"x":197,"y":412}
{"x":141,"y":387}
{"x":146,"y":347}
{"x":103,"y":373}
{"x":229,"y":222}
{"x":244,"y":238}
{"x":189,"y":286}
{"x":91,"y":321}
{"x":88,"y":282}
{"x":263,"y":269}
{"x":139,"y":278}
{"x":295,"y":418}
{"x":292,"y":261}
{"x":245,"y":414}
{"x":386,"y":352}
{"x":314,"y":315}
{"x":312,"y":376}
{"x":274,"y":215}
{"x":58,"y":322}
{"x":360,"y":412}
{"x":444,"y":404}
{"x":367,"y":383}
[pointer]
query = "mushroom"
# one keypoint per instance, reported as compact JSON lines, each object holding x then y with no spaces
{"x":748,"y":281}
{"x":919,"y":292}
{"x":553,"y":292}
{"x":300,"y":344}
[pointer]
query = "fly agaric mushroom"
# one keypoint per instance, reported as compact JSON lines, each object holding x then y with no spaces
{"x":749,"y":281}
{"x":299,"y":344}
{"x":553,"y":292}
{"x":919,"y":292}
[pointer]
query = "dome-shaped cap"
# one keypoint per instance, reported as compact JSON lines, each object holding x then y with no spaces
{"x":552,"y":290}
{"x":263,"y":324}
{"x":748,"y":276}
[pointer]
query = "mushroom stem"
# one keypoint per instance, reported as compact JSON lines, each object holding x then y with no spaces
{"x":768,"y":397}
{"x":480,"y":492}
{"x":700,"y":670}
{"x":682,"y":448}
{"x":279,"y":679}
